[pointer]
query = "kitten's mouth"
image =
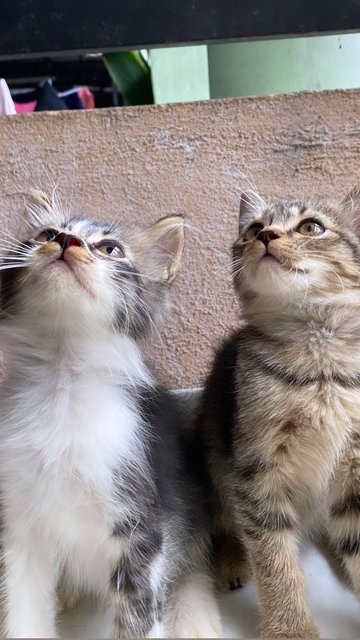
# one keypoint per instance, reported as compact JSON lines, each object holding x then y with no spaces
{"x":64,"y":265}
{"x":267,"y":256}
{"x":73,"y":261}
{"x":286,"y":263}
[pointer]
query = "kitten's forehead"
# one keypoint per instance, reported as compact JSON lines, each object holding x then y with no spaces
{"x":287,"y":212}
{"x":91,"y":229}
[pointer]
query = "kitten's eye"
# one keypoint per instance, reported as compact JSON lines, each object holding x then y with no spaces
{"x":311,"y":228}
{"x":253,"y":230}
{"x":111,"y":249}
{"x":46,"y":235}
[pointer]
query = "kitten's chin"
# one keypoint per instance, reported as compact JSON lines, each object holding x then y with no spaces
{"x":64,"y":275}
{"x":278,"y":282}
{"x":269,"y":261}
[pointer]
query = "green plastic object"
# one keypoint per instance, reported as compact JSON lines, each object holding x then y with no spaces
{"x":131,"y":74}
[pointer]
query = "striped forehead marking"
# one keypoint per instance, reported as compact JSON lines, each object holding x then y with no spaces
{"x":90,"y":229}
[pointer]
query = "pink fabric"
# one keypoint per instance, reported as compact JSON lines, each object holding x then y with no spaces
{"x":25,"y":107}
{"x":87,"y":97}
{"x":7,"y":106}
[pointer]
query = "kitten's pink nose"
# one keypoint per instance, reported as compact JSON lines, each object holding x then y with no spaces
{"x":65,"y":240}
{"x":266,"y":235}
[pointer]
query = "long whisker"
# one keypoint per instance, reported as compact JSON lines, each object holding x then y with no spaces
{"x":14,"y":249}
{"x":315,"y":255}
{"x":14,"y":258}
{"x":126,"y":288}
{"x":144,"y":276}
{"x":290,"y":270}
{"x":6,"y":252}
{"x":18,"y":242}
{"x":120,"y":287}
{"x":11,"y":266}
{"x":253,"y":186}
{"x":237,"y":272}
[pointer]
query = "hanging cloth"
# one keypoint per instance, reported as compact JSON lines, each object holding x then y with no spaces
{"x":25,"y":107}
{"x":48,"y":99}
{"x":71,"y":99}
{"x":7,"y":106}
{"x":87,"y":97}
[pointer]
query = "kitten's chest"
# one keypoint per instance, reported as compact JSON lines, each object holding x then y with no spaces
{"x":61,"y":448}
{"x":79,"y":412}
{"x":306,"y":430}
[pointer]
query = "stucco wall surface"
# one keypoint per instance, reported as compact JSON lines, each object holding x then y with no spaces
{"x":140,"y":163}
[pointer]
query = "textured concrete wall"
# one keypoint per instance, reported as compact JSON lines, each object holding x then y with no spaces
{"x":141,"y":163}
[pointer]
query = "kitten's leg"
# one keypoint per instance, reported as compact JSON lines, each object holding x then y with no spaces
{"x":192,"y":609}
{"x":344,"y":514}
{"x":137,"y":591}
{"x":273,"y":548}
{"x":231,"y":559}
{"x":28,"y":588}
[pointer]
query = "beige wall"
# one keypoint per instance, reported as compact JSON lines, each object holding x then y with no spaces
{"x":141,"y":163}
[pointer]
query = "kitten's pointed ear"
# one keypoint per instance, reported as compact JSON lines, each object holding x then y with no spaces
{"x":351,"y":204}
{"x":352,"y":199}
{"x":38,"y":199}
{"x":159,"y":248}
{"x":251,"y":205}
{"x":39,"y":207}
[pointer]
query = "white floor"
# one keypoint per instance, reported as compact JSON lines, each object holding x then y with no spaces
{"x":335,"y":609}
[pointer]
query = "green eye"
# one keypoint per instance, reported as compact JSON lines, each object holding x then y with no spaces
{"x":311,"y":228}
{"x":111,"y":249}
{"x":47,"y":235}
{"x":253,"y":231}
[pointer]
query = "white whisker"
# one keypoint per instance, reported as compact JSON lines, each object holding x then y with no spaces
{"x":11,"y":266}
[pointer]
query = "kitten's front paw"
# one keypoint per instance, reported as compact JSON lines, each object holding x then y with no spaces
{"x":231,"y":577}
{"x":232,"y":566}
{"x":201,"y":628}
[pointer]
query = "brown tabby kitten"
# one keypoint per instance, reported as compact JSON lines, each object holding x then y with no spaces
{"x":281,"y":414}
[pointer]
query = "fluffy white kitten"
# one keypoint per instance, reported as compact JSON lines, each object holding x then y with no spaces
{"x":95,"y":493}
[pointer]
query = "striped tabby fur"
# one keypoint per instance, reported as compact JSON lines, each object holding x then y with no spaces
{"x":281,"y":414}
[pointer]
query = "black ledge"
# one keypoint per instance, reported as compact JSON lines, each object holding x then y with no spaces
{"x":33,"y":28}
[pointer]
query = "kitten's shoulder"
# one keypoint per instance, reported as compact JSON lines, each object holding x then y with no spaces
{"x":220,"y":399}
{"x":227,"y":355}
{"x":162,"y":420}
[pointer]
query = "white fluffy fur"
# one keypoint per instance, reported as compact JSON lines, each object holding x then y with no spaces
{"x":60,"y":441}
{"x":193,"y":612}
{"x":68,"y":420}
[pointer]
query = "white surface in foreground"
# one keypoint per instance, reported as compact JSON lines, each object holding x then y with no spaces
{"x":334,"y":607}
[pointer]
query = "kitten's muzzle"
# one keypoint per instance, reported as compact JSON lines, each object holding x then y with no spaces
{"x":266,"y":235}
{"x":66,"y":240}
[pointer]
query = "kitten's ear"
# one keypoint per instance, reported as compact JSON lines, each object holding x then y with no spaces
{"x":39,"y":207}
{"x":352,"y":199}
{"x":159,"y":248}
{"x":351,"y":204}
{"x":38,"y":199}
{"x":251,"y":205}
